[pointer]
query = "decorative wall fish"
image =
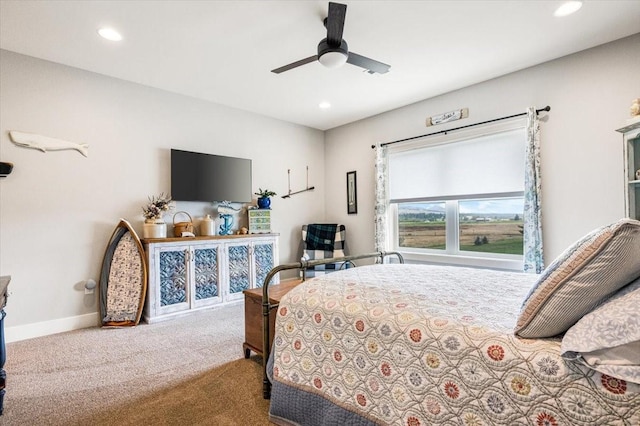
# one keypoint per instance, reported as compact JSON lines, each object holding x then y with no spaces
{"x":45,"y":143}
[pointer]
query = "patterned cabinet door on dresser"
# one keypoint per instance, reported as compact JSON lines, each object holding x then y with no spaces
{"x":238,"y":273}
{"x":248,"y":263}
{"x":264,"y":254}
{"x":172,"y":292}
{"x":206,"y":274}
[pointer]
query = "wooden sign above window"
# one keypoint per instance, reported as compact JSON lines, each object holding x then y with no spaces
{"x":447,"y":117}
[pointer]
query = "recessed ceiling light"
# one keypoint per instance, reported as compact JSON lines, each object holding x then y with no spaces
{"x":110,"y":34}
{"x":567,"y":8}
{"x":324,"y":105}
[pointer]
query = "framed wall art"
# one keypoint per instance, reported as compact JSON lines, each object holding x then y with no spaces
{"x":352,"y":193}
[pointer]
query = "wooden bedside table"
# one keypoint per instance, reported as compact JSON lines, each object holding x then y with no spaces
{"x":253,"y":315}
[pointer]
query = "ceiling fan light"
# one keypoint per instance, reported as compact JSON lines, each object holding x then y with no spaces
{"x":333,"y":59}
{"x":332,"y":56}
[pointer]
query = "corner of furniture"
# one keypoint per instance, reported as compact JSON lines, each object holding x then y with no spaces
{"x":631,"y":150}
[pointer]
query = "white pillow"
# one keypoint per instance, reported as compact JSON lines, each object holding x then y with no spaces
{"x":608,"y":338}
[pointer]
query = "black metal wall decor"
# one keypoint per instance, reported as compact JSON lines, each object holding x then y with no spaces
{"x":308,"y":188}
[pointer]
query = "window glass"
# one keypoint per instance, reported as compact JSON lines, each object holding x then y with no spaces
{"x":491,"y":225}
{"x":422,"y":225}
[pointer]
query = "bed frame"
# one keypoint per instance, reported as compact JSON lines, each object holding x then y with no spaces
{"x":302,"y":267}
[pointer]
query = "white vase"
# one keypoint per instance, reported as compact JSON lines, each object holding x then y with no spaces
{"x":154,"y":230}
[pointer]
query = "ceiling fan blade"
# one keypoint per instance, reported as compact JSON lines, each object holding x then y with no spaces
{"x":295,"y":64}
{"x":335,"y":23}
{"x":372,"y":66}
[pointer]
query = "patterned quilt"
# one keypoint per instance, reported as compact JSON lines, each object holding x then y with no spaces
{"x":427,"y":345}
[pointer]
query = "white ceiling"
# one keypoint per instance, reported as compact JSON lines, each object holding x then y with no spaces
{"x":223,"y":51}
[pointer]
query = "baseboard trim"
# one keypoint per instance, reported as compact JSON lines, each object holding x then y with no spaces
{"x":179,"y":314}
{"x":45,"y":328}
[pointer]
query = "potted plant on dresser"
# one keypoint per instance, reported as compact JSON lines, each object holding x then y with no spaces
{"x":264,"y":198}
{"x":154,"y":225}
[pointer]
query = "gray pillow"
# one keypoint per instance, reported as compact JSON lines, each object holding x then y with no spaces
{"x":608,"y":338}
{"x":582,"y":277}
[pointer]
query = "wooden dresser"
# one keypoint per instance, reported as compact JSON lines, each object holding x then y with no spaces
{"x":253,"y":315}
{"x":193,"y":273}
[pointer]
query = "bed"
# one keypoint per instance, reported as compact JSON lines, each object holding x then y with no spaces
{"x":423,"y":345}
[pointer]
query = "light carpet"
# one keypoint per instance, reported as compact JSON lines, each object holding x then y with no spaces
{"x":187,"y":370}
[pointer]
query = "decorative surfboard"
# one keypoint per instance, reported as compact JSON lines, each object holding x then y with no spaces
{"x":123,"y":280}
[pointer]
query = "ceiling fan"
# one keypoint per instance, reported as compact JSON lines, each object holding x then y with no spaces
{"x":333,"y":50}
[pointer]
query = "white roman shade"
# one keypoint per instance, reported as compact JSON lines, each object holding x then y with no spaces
{"x":492,"y":164}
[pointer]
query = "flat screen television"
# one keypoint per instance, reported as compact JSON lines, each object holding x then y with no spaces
{"x":206,"y":177}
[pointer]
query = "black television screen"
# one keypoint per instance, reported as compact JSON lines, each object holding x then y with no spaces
{"x":206,"y":177}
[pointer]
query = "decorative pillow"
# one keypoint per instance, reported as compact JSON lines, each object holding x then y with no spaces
{"x":582,"y":277}
{"x":608,"y":338}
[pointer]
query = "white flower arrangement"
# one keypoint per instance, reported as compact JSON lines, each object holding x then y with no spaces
{"x":157,"y":207}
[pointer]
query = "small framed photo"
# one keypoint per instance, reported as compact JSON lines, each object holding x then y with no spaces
{"x":352,"y":193}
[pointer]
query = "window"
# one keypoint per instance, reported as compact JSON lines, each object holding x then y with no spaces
{"x":422,"y":225}
{"x":460,"y":201}
{"x":491,"y":226}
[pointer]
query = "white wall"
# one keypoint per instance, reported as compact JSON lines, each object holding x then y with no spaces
{"x":58,"y":209}
{"x":589,"y":93}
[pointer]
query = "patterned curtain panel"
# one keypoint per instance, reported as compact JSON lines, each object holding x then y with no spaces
{"x":382,"y":199}
{"x":533,"y":261}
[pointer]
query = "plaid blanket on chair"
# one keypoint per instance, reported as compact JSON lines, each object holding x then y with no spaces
{"x":320,"y":236}
{"x":323,"y":241}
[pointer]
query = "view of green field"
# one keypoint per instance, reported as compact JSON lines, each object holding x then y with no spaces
{"x":499,"y":236}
